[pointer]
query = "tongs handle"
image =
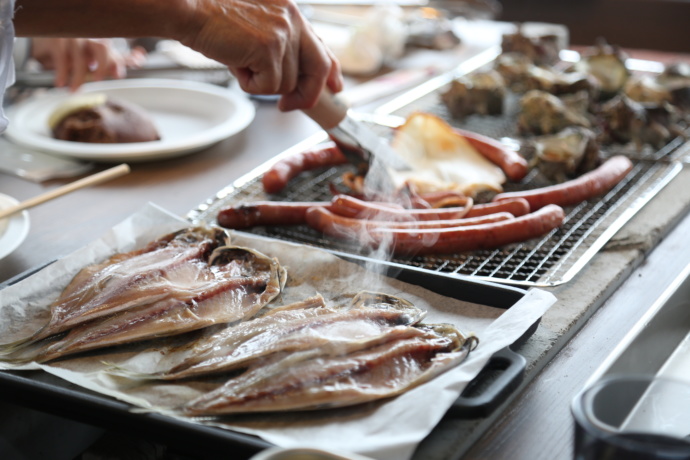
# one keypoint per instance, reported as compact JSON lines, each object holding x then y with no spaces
{"x":329,"y":110}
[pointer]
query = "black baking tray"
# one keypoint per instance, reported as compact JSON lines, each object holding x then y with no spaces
{"x":47,"y":393}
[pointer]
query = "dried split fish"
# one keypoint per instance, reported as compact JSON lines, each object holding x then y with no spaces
{"x":325,"y":377}
{"x":126,"y":280}
{"x":224,"y":285}
{"x":306,"y":325}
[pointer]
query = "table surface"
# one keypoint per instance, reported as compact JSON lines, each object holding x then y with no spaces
{"x":536,"y":424}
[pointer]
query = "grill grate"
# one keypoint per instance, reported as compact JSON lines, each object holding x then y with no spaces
{"x":549,"y":261}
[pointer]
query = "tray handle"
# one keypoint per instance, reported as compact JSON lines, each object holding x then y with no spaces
{"x":499,"y":377}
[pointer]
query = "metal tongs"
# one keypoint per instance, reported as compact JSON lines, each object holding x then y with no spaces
{"x":368,"y":152}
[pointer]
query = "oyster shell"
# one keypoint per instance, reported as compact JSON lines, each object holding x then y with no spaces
{"x":479,"y":93}
{"x":513,"y":67}
{"x":566,"y":154}
{"x":625,"y":120}
{"x":544,"y":113}
{"x":676,"y":79}
{"x":645,"y":89}
{"x":606,"y":63}
{"x":551,"y":81}
{"x":621,"y":117}
{"x":542,"y":49}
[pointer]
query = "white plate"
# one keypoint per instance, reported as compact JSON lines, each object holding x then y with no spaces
{"x":189,"y":116}
{"x":13,"y":230}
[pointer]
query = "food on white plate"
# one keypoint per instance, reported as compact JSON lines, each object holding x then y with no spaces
{"x":442,"y":159}
{"x":101,"y":118}
{"x":308,"y":324}
{"x":479,"y":93}
{"x":564,"y":155}
{"x":181,"y":282}
{"x":544,"y":113}
{"x":326,"y":377}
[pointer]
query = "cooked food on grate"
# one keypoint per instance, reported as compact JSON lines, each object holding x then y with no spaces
{"x":279,"y":175}
{"x":544,"y":113}
{"x":479,"y":93}
{"x":540,"y":49}
{"x":181,"y":282}
{"x":441,"y":159}
{"x":422,"y":242}
{"x":449,"y":211}
{"x":624,"y":120}
{"x":676,"y":79}
{"x":584,"y":187}
{"x":100,"y":118}
{"x":606,"y":63}
{"x":564,"y":155}
{"x":646,"y":90}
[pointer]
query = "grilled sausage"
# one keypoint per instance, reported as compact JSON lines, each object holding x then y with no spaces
{"x":265,"y":213}
{"x":329,"y":223}
{"x":276,"y":179}
{"x":406,"y":242}
{"x":515,"y":206}
{"x":588,"y":185}
{"x":352,"y":207}
{"x":511,"y":162}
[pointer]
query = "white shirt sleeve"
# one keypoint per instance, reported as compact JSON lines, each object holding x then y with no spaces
{"x":6,"y":46}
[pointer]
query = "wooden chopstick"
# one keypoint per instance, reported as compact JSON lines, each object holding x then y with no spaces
{"x":93,"y":179}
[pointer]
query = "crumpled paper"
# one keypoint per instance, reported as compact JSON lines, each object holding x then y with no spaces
{"x":389,"y":429}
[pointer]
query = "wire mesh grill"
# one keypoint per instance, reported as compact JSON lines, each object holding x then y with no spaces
{"x":550,"y":260}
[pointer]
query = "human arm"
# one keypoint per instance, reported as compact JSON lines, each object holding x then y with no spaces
{"x":267,"y":45}
{"x":77,"y":59}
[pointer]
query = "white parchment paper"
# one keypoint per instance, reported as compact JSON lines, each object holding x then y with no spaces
{"x":389,"y":429}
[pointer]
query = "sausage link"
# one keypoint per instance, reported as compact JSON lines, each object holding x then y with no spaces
{"x":515,"y":206}
{"x":277,"y":177}
{"x":265,"y":213}
{"x":352,"y":207}
{"x":588,"y":185}
{"x":405,"y":242}
{"x":511,"y":162}
{"x":329,"y":223}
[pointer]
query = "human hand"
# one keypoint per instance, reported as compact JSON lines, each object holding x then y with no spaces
{"x":77,"y":59}
{"x":268,"y":45}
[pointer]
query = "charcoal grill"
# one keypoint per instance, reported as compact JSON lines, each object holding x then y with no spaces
{"x":551,"y":260}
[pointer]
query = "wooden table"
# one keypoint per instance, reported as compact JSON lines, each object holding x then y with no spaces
{"x":534,"y":424}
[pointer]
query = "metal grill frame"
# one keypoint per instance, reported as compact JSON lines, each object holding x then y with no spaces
{"x":549,"y":261}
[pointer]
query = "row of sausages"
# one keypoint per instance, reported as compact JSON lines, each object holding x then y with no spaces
{"x":280,"y":174}
{"x":511,"y":217}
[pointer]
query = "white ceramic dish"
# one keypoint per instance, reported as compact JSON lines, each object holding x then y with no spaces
{"x":189,"y":115}
{"x":13,"y":229}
